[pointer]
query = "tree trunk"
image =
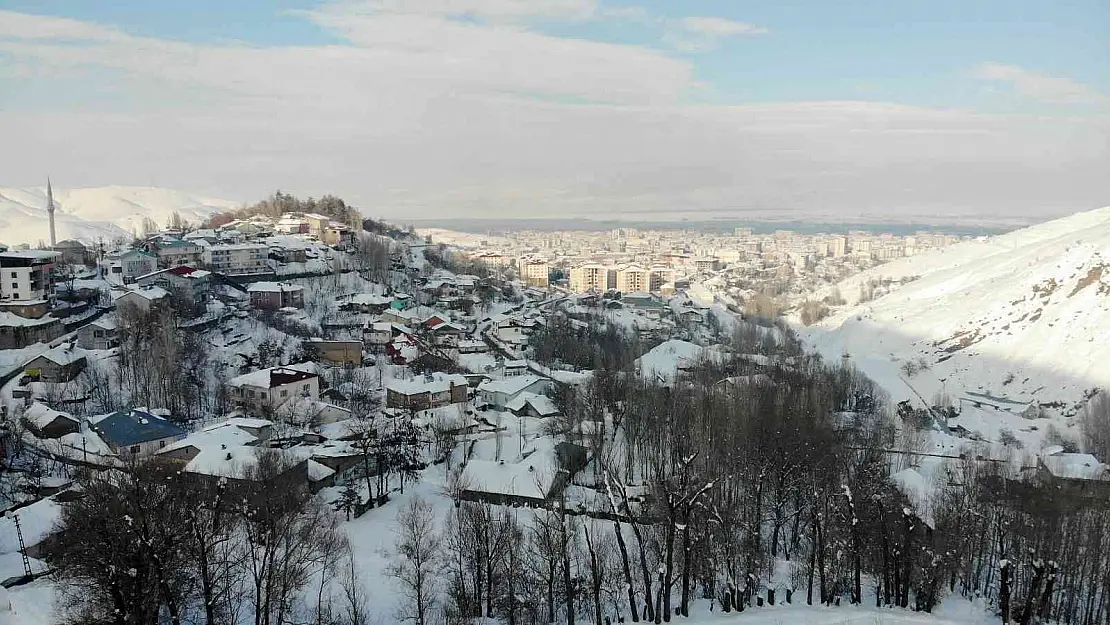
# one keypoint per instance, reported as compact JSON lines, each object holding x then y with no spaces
{"x":627,"y":569}
{"x":684,"y":606}
{"x":1004,"y":593}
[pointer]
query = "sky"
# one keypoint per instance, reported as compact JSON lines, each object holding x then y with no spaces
{"x":938,"y":110}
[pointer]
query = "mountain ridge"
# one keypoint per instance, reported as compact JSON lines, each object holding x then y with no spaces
{"x":88,"y":213}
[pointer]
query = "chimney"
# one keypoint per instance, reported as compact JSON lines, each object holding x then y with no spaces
{"x":50,"y":211}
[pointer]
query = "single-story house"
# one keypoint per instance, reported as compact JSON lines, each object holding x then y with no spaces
{"x":18,"y":332}
{"x":498,"y":393}
{"x":532,"y":405}
{"x":336,"y":352}
{"x":136,"y":433}
{"x":60,"y":364}
{"x":100,"y":334}
{"x":144,"y":298}
{"x":45,"y":422}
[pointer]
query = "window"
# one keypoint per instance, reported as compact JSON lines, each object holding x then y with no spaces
{"x":285,"y":393}
{"x":250,"y":394}
{"x":15,"y":275}
{"x":134,"y":449}
{"x":305,"y":388}
{"x":161,"y":444}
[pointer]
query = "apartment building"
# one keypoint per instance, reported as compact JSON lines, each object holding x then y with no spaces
{"x":242,"y":258}
{"x":633,"y":279}
{"x":589,"y":277}
{"x":27,"y":275}
{"x":534,"y":271}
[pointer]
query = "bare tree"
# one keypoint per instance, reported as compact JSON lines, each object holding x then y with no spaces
{"x":418,"y":544}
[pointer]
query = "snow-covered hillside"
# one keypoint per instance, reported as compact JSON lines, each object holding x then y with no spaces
{"x":86,"y":214}
{"x":1024,"y":316}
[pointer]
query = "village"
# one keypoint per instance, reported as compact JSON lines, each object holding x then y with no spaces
{"x":367,"y":361}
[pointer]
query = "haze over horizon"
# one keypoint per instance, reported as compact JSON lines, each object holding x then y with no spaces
{"x":998,"y":112}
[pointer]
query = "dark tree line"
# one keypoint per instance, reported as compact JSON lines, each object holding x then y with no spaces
{"x":151,"y":544}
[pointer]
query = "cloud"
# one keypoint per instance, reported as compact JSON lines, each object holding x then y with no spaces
{"x":1041,"y":87}
{"x":421,"y":115}
{"x":494,"y":10}
{"x":702,"y":34}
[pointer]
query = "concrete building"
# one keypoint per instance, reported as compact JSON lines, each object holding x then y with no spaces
{"x":431,"y":391}
{"x":73,"y":252}
{"x":144,"y":298}
{"x":336,"y":352}
{"x":632,"y":279}
{"x":237,"y":259}
{"x":18,"y":332}
{"x":589,"y":277}
{"x":276,"y":295}
{"x":184,"y":283}
{"x":178,"y":253}
{"x":125,"y":267}
{"x":266,"y":390}
{"x":534,"y":271}
{"x":27,"y":274}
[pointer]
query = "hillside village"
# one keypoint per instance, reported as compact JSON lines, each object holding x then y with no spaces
{"x":363,"y":364}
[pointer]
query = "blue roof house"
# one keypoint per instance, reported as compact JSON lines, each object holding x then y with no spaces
{"x":136,"y":433}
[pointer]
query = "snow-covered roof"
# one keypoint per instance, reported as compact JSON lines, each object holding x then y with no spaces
{"x":1074,"y":466}
{"x":273,"y":287}
{"x":134,"y":426}
{"x":665,"y":359}
{"x":529,"y":475}
{"x":62,"y":355}
{"x":149,"y":293}
{"x":40,"y":415}
{"x":509,"y":386}
{"x":12,"y":319}
{"x":275,"y":376}
{"x":435,"y":383}
{"x":542,"y":404}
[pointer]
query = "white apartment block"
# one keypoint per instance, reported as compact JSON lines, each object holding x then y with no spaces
{"x":589,"y":277}
{"x":244,"y":258}
{"x":534,"y":271}
{"x":27,"y":275}
{"x":633,"y":279}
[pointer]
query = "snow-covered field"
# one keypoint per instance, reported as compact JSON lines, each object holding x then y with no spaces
{"x":86,"y":214}
{"x":1024,"y":316}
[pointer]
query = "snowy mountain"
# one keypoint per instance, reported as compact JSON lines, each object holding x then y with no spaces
{"x":86,"y":214}
{"x":1023,"y":316}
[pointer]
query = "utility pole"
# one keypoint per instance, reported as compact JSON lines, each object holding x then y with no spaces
{"x":22,"y":545}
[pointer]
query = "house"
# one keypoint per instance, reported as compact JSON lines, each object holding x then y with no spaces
{"x":188,"y":285}
{"x":222,"y":450}
{"x":378,"y":334}
{"x":276,"y":295}
{"x":125,"y":267}
{"x":73,"y":252}
{"x":336,"y":352}
{"x":27,"y":274}
{"x":532,"y":405}
{"x":1080,"y":474}
{"x":431,"y":391}
{"x":446,"y":334}
{"x":365,"y":303}
{"x":45,"y":422}
{"x":472,"y":346}
{"x":18,"y":332}
{"x":136,"y":433}
{"x":100,"y":334}
{"x":537,"y":476}
{"x":499,"y":393}
{"x":173,"y":252}
{"x":145,"y":298}
{"x":60,"y":364}
{"x":27,"y":308}
{"x":513,"y":368}
{"x":265,"y":390}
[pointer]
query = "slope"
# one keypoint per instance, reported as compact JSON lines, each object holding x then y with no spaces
{"x":86,"y":214}
{"x":1024,"y":316}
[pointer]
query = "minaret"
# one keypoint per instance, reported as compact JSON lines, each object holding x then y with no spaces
{"x":50,"y":210}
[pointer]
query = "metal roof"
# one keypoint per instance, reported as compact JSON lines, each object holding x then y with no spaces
{"x":131,"y":427}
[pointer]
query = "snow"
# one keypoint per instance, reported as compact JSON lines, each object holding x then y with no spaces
{"x":86,"y":214}
{"x":36,"y":521}
{"x":664,"y":360}
{"x":439,"y":383}
{"x":1024,"y":315}
{"x":1074,"y":466}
